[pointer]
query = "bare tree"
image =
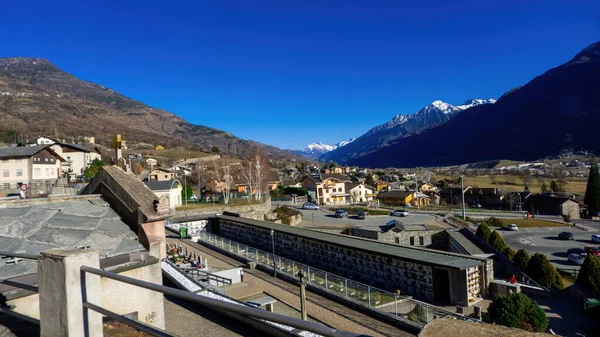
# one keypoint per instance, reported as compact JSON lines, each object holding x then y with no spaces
{"x":260,"y":166}
{"x":227,"y":179}
{"x":248,"y":176}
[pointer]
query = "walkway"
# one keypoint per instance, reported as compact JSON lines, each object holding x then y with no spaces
{"x":319,"y":308}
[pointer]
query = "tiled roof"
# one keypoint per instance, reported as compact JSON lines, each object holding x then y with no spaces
{"x":20,"y":151}
{"x":395,"y":194}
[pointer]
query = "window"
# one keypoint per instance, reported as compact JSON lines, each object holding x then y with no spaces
{"x":166,"y":176}
{"x":397,"y":240}
{"x":19,"y":172}
{"x":412,"y":240}
{"x":5,"y":173}
{"x":421,"y":240}
{"x":37,"y":172}
{"x":320,"y":191}
{"x":6,"y":186}
{"x":45,"y":159}
{"x":47,"y":171}
{"x":68,"y":159}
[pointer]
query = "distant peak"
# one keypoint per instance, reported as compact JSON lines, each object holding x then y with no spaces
{"x":23,"y":60}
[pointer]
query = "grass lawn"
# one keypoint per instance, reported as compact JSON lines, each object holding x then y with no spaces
{"x":232,"y":202}
{"x":515,"y":183}
{"x":532,"y":223}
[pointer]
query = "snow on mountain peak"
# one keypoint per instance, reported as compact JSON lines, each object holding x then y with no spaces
{"x":314,"y":150}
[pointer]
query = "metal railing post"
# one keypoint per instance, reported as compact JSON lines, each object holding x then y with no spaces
{"x":238,"y":247}
{"x":293,"y":267}
{"x":396,"y":305}
{"x":346,"y":286}
{"x":369,"y":291}
{"x":308,"y":272}
{"x":326,"y":286}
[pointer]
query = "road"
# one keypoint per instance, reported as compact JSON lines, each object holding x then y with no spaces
{"x":326,"y":219}
{"x":546,"y":241}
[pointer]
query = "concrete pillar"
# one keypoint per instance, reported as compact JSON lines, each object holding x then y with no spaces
{"x":61,"y":292}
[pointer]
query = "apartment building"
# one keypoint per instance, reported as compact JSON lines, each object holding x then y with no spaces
{"x":77,"y":157}
{"x":31,"y":165}
{"x":326,"y":189}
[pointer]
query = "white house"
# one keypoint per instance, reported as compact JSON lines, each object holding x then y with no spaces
{"x":45,"y":141}
{"x":171,"y":189}
{"x":31,"y":165}
{"x":77,"y":157}
{"x":360,"y":193}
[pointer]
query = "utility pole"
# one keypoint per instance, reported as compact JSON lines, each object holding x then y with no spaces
{"x":273,"y":243}
{"x":302,"y":294}
{"x":186,"y":187}
{"x":462,"y":192}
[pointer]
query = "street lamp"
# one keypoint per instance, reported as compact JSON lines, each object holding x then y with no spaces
{"x":462,"y":192}
{"x":273,"y":244}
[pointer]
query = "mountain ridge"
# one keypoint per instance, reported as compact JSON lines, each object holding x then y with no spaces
{"x":34,"y":94}
{"x":401,"y":125}
{"x":315,"y":150}
{"x":556,"y":110}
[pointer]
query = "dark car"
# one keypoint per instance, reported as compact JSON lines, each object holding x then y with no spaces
{"x":566,"y":236}
{"x":577,"y":251}
{"x":362,"y":215}
{"x":340,"y":213}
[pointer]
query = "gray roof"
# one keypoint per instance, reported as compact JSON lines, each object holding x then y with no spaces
{"x":465,"y":243}
{"x":81,"y":147}
{"x":162,"y":185}
{"x":407,"y":253}
{"x":31,"y":228}
{"x":21,"y":151}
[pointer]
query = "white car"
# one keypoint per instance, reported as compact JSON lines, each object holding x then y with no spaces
{"x":512,"y":227}
{"x":596,"y":238}
{"x":308,"y":205}
{"x":399,"y":213}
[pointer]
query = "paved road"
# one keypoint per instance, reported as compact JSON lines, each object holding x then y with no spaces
{"x":546,"y":241}
{"x":323,"y":218}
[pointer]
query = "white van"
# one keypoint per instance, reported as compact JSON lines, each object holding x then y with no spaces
{"x":596,"y":238}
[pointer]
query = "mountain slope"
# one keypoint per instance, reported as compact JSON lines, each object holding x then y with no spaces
{"x":557,"y":110}
{"x":315,"y":150}
{"x":35,"y":95}
{"x":402,"y":125}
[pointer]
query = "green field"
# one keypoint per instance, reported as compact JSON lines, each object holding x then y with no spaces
{"x":516,"y":183}
{"x":232,"y":202}
{"x":524,"y":223}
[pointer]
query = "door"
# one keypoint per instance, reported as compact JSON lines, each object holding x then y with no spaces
{"x":441,"y":286}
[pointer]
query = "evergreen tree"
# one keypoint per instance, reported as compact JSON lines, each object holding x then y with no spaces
{"x":589,"y":274}
{"x":544,"y":188}
{"x":543,"y":272}
{"x":497,"y":242}
{"x":518,"y":311}
{"x":592,"y":191}
{"x":521,"y":259}
{"x":484,"y":232}
{"x":510,"y":253}
{"x":215,"y":149}
{"x":554,"y":186}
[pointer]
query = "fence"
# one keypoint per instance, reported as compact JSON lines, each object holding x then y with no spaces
{"x":210,"y":300}
{"x":393,"y":305}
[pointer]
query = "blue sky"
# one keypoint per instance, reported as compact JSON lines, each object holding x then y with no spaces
{"x":288,"y":73}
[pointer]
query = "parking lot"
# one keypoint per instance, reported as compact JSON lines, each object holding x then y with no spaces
{"x":546,"y":241}
{"x":327,"y":219}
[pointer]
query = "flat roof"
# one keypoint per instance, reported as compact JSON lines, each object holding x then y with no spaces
{"x":408,"y":253}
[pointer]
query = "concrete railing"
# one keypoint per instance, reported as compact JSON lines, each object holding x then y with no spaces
{"x":403,"y":308}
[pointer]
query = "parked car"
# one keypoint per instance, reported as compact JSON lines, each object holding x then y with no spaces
{"x":566,"y":236}
{"x":596,"y":238}
{"x":476,"y":206}
{"x":340,"y":213}
{"x":399,"y":213}
{"x":512,"y":227}
{"x":578,"y":251}
{"x":592,"y":250}
{"x":308,"y":205}
{"x":362,"y":215}
{"x":576,"y":259}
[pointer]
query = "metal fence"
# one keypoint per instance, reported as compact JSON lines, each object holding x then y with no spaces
{"x":399,"y":306}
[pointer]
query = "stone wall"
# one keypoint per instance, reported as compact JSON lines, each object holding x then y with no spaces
{"x":256,"y":211}
{"x":405,"y":238}
{"x":379,"y":270}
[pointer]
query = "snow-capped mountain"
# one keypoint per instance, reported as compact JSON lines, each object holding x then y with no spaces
{"x":401,"y":125}
{"x":315,"y":150}
{"x":436,"y":107}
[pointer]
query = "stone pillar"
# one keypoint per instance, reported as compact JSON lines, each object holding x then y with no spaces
{"x":62,"y":287}
{"x":152,"y":237}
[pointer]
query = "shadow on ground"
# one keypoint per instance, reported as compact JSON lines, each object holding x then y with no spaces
{"x":566,"y":315}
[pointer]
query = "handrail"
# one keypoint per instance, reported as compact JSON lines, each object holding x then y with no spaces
{"x":21,"y":285}
{"x":21,"y":255}
{"x":221,"y":305}
{"x":131,"y":322}
{"x":7,"y":311}
{"x":200,"y":274}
